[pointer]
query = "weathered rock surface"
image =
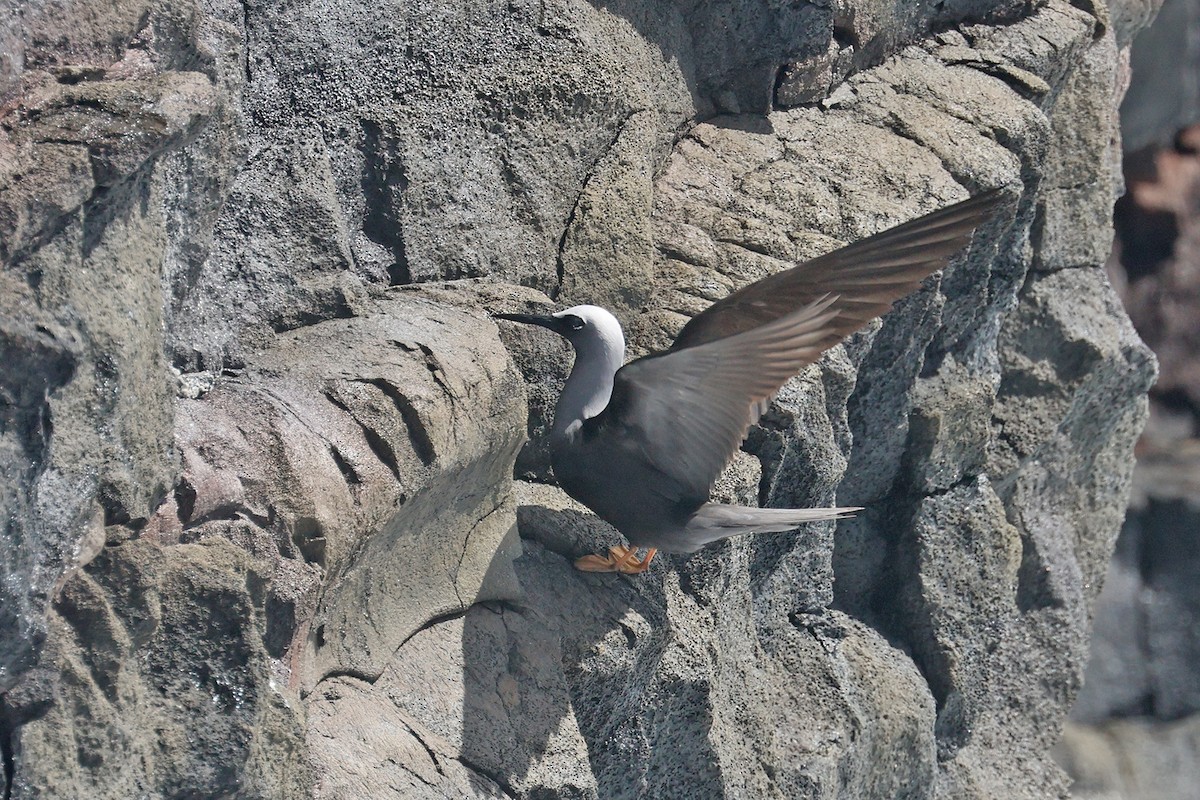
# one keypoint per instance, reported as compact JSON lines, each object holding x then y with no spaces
{"x":260,"y":516}
{"x":1132,"y":732}
{"x":333,"y":498}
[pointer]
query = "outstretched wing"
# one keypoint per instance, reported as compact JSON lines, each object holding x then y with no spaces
{"x":689,"y":408}
{"x":867,"y":276}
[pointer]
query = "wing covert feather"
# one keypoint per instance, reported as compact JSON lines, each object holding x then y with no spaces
{"x":689,"y":410}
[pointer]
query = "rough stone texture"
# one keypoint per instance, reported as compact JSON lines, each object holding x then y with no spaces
{"x":359,"y":470}
{"x":1132,"y":732}
{"x":87,"y":422}
{"x":260,"y":517}
{"x":156,"y":680}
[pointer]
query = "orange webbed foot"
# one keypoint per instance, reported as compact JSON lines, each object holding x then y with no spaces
{"x":619,"y":559}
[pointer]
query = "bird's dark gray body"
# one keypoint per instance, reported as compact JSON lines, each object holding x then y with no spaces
{"x":640,"y":501}
{"x":609,"y":473}
{"x":642,"y":443}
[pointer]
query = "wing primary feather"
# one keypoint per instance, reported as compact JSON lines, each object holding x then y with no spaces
{"x":884,"y":267}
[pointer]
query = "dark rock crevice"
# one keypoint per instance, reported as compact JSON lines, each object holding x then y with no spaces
{"x":563,"y":240}
{"x":383,"y":184}
{"x":6,"y":750}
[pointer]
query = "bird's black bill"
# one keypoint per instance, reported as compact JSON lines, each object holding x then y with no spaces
{"x":555,"y":324}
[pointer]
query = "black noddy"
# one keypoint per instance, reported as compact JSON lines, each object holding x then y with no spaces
{"x":641,"y":444}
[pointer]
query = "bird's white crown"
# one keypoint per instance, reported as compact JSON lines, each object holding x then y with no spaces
{"x":600,"y":328}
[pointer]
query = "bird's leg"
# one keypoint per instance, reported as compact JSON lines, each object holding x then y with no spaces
{"x":610,"y":563}
{"x":624,"y":559}
{"x":620,"y":559}
{"x":636,"y":567}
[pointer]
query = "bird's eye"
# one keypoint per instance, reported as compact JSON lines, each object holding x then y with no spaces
{"x":574,"y":323}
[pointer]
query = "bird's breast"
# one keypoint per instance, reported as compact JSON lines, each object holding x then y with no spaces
{"x":621,"y":487}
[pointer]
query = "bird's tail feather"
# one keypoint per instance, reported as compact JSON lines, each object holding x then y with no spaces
{"x":714,"y":521}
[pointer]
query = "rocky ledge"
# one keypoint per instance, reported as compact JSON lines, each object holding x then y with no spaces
{"x":262,"y":533}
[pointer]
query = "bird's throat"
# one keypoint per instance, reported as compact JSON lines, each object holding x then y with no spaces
{"x":586,"y":393}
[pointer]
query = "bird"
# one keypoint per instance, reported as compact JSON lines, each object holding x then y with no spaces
{"x":640,"y":444}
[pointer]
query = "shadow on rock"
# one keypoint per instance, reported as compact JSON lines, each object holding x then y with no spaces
{"x":551,"y":685}
{"x":734,"y":70}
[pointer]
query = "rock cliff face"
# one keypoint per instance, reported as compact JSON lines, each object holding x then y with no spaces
{"x":1134,"y":731}
{"x":262,"y":533}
